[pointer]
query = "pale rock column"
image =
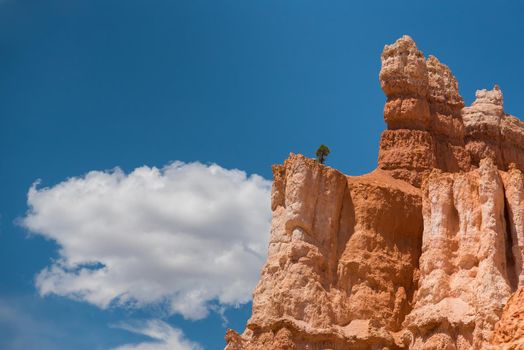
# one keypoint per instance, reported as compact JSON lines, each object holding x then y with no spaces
{"x":464,"y":279}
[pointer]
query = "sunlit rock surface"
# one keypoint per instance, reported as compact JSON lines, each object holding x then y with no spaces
{"x":422,"y":253}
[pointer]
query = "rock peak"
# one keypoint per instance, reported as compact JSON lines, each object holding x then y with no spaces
{"x":428,"y":125}
{"x":493,"y":96}
{"x":403,"y":69}
{"x":402,"y":42}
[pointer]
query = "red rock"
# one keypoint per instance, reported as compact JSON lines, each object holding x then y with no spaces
{"x":509,"y":331}
{"x":422,"y":253}
{"x":336,"y":241}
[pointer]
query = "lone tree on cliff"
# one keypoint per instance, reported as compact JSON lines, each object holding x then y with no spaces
{"x":322,"y":153}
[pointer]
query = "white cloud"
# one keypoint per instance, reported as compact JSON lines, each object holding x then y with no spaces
{"x":187,"y":234}
{"x":167,"y":337}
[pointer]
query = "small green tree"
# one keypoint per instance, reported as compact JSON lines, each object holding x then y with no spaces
{"x":322,"y":153}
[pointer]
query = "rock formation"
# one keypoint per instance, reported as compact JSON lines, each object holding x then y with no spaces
{"x":509,"y":332}
{"x":464,"y":275}
{"x":422,"y":253}
{"x":423,"y":115}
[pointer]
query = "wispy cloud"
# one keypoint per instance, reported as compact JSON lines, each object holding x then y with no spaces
{"x":19,"y":330}
{"x":183,"y":235}
{"x":163,"y":335}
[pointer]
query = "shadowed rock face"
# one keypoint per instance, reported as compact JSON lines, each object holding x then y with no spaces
{"x":423,"y":252}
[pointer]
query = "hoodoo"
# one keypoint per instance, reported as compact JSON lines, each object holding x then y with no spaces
{"x":425,"y":252}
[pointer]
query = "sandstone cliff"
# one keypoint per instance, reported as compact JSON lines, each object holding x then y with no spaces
{"x":422,"y":253}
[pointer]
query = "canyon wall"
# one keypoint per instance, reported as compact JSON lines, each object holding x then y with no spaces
{"x":422,"y":253}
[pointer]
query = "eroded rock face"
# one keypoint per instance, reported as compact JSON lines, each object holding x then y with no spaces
{"x":509,"y":331}
{"x":336,"y":241}
{"x":514,"y":215}
{"x":426,"y":118}
{"x":423,"y":115}
{"x":464,"y":281}
{"x":490,"y":132}
{"x":482,"y":121}
{"x":424,"y":252}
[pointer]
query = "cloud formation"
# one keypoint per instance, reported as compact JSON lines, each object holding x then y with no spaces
{"x":167,"y":337}
{"x":186,"y":235}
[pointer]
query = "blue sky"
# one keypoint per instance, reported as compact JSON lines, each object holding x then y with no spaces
{"x":87,"y":86}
